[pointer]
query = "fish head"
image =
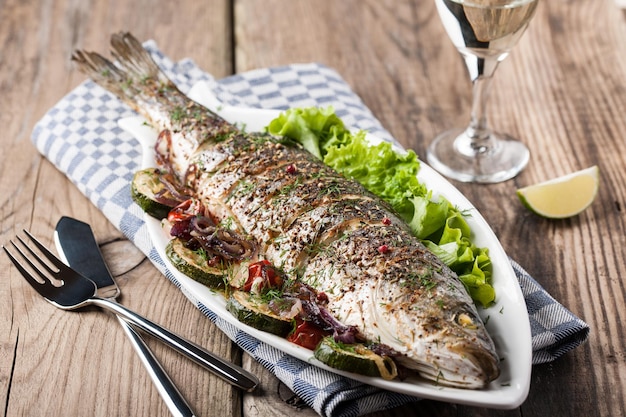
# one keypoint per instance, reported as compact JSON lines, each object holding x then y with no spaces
{"x":453,"y":349}
{"x":439,"y":335}
{"x":465,"y":353}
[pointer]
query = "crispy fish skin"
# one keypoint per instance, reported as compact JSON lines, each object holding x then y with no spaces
{"x":316,"y":225}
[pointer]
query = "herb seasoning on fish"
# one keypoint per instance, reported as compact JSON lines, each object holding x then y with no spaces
{"x":337,"y":256}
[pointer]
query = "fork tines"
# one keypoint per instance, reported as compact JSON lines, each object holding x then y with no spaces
{"x":59,"y":283}
{"x":52,"y":259}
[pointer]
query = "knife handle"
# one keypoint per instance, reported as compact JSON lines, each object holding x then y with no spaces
{"x":173,"y":398}
{"x":230,"y":372}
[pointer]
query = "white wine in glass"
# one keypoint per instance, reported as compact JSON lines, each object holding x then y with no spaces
{"x":483,"y":31}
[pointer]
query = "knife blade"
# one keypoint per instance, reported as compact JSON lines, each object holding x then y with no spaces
{"x":77,"y":246}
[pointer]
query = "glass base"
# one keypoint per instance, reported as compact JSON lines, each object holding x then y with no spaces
{"x":492,"y":159}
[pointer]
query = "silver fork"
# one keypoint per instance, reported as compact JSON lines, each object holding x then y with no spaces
{"x":73,"y":291}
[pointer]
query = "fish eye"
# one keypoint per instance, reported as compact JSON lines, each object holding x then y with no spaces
{"x":467,"y":320}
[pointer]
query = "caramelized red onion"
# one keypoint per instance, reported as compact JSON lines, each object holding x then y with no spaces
{"x":317,"y":314}
{"x":171,"y":195}
{"x":341,"y":332}
{"x":202,"y":225}
{"x":227,"y":244}
{"x":199,"y":230}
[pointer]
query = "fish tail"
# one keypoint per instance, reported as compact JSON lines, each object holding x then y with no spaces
{"x":135,"y":72}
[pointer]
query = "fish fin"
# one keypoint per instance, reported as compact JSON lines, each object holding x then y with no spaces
{"x":133,"y":57}
{"x":134,"y":67}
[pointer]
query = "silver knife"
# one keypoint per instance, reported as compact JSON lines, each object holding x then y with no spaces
{"x":78,"y":248}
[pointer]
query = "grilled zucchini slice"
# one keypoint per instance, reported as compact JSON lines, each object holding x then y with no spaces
{"x":144,"y":187}
{"x":355,"y":358}
{"x":194,"y":264}
{"x":254,"y":312}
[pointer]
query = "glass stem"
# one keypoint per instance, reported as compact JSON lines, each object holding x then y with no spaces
{"x":478,"y":128}
{"x":481,"y":73}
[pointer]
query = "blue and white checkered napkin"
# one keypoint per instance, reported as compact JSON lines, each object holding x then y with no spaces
{"x":81,"y":137}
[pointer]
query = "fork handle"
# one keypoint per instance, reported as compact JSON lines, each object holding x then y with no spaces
{"x":173,"y":398}
{"x":230,"y":372}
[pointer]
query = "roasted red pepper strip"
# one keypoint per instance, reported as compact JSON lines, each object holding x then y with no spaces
{"x":185,"y":211}
{"x":307,"y":334}
{"x":263,"y":275}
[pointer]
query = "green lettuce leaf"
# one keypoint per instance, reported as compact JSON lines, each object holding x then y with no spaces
{"x":477,"y":279}
{"x":428,"y":215}
{"x":310,"y":126}
{"x":471,"y":263}
{"x":379,"y":168}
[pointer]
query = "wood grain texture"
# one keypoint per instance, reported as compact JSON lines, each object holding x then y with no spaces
{"x":561,"y":91}
{"x":70,"y":364}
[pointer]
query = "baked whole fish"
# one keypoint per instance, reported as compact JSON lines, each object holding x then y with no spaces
{"x":326,"y":234}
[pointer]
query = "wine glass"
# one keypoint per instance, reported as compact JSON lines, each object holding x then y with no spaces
{"x":483,"y":31}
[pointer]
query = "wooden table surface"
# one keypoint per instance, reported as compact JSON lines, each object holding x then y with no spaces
{"x":562,"y":91}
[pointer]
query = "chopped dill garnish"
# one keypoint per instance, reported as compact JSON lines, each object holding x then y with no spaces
{"x":177,"y":114}
{"x":287,"y":189}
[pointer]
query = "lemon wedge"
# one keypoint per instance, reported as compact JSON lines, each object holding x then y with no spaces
{"x":562,"y":197}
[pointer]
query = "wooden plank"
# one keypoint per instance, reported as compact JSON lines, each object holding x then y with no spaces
{"x":81,"y":364}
